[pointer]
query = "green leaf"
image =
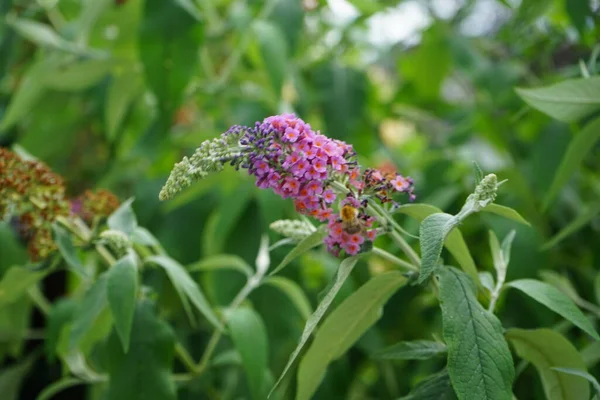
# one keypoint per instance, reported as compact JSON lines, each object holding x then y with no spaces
{"x":415,"y":350}
{"x":507,"y":245}
{"x":487,"y":280}
{"x":11,"y":378}
{"x":545,"y":349}
{"x":273,"y":49}
{"x":143,"y":236}
{"x":597,"y":287}
{"x":293,"y":292}
{"x":11,"y":248}
{"x":90,"y":308}
{"x":289,"y":16}
{"x":121,"y":291}
{"x":186,"y":286}
{"x":432,"y":234}
{"x":591,"y":354}
{"x":434,"y":387}
{"x":60,"y":315}
{"x":428,"y":65}
{"x":144,"y":372}
{"x":455,"y":243}
{"x":555,"y":300}
{"x":222,"y":262}
{"x":582,"y":374}
{"x":70,"y":76}
{"x":40,"y":34}
{"x":575,"y":225}
{"x":27,"y":95}
{"x":341,"y":93}
{"x":16,"y":281}
{"x":313,"y":240}
{"x":578,"y":11}
{"x":578,"y":148}
{"x":343,"y":327}
{"x":343,"y":272}
{"x":91,"y":11}
{"x":58,"y":386}
{"x":499,"y":263}
{"x":169,"y":51}
{"x":505,"y":212}
{"x":122,"y":91}
{"x":249,"y":336}
{"x":479,"y":361}
{"x":123,"y":218}
{"x":566,"y":101}
{"x":68,"y":251}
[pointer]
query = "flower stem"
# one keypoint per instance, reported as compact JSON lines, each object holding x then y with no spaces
{"x":390,"y":257}
{"x":185,"y":357}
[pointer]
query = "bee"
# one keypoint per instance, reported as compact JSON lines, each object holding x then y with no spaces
{"x":351,"y":223}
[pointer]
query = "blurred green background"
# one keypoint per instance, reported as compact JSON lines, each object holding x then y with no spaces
{"x":111,"y":93}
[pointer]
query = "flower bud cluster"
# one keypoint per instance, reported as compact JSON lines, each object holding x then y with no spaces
{"x":211,"y":156}
{"x":292,"y":228}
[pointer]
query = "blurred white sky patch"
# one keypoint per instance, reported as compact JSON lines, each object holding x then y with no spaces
{"x":405,"y":22}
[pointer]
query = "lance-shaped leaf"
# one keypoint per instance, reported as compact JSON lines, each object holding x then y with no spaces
{"x":144,"y":372}
{"x":578,"y":148}
{"x":555,"y":300}
{"x":186,"y":287}
{"x":16,"y":281}
{"x":546,"y":349}
{"x":309,"y":242}
{"x":168,"y":51}
{"x":415,"y":350}
{"x":121,"y":290}
{"x":123,"y":218}
{"x":455,"y":243}
{"x":506,"y":212}
{"x":343,"y":327}
{"x":90,"y":308}
{"x":432,"y":234}
{"x":565,"y":101}
{"x":293,"y":292}
{"x":479,"y":361}
{"x":434,"y":387}
{"x":249,"y":336}
{"x":585,"y":375}
{"x":68,"y":251}
{"x":343,"y":272}
{"x":222,"y":262}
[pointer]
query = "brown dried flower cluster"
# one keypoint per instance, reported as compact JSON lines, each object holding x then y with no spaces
{"x":101,"y":203}
{"x":34,"y":197}
{"x":31,"y":192}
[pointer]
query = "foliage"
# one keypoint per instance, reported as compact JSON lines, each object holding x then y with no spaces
{"x":225,"y":290}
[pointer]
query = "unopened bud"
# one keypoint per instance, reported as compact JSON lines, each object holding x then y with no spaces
{"x":293,"y":229}
{"x":117,"y":241}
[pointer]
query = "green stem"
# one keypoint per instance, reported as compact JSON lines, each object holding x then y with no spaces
{"x":405,"y":247}
{"x":252,"y":283}
{"x":185,"y":358}
{"x":40,"y":301}
{"x":390,"y":257}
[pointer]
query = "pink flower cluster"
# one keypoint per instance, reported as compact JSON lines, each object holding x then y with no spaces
{"x":286,"y":155}
{"x":296,"y":161}
{"x":338,"y":238}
